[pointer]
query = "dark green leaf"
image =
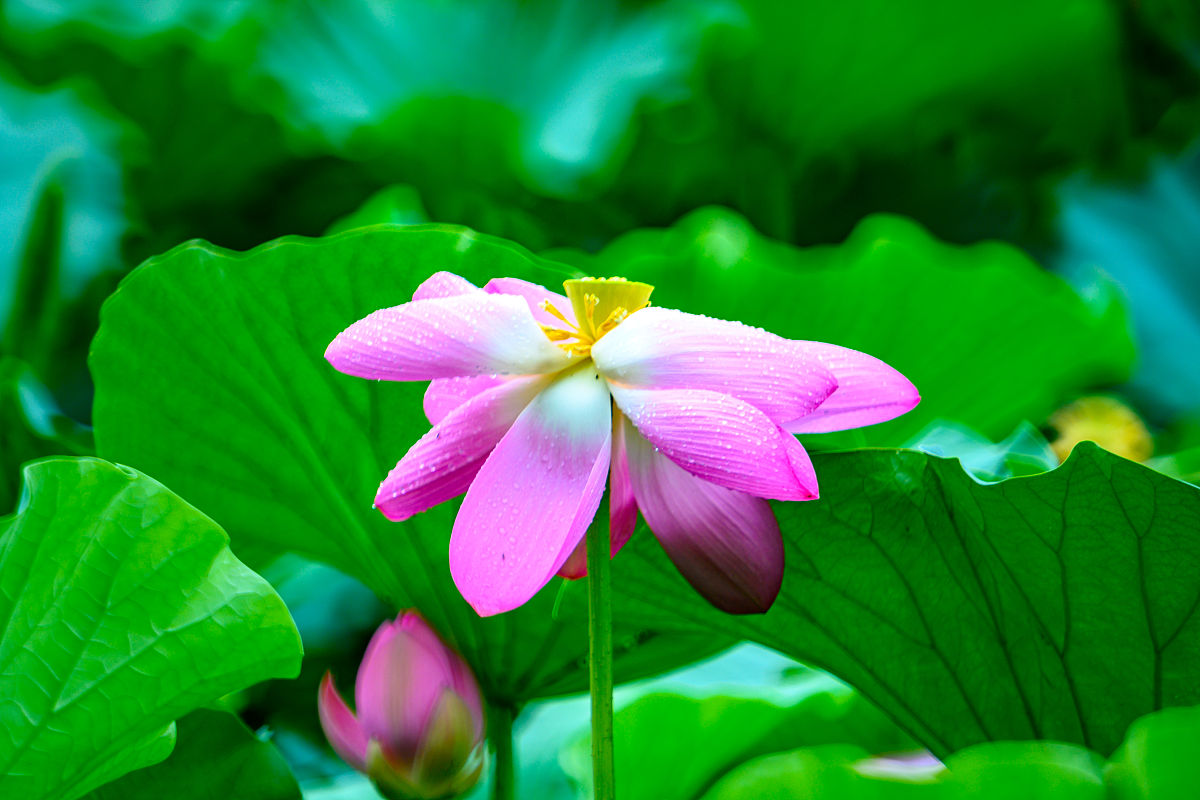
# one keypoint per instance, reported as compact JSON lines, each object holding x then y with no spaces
{"x":216,"y":757}
{"x":1060,"y":606}
{"x":121,"y":608}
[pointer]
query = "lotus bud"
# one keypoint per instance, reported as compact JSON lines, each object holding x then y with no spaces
{"x":419,"y":728}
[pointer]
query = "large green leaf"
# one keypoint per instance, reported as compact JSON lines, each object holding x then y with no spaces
{"x":993,"y":771}
{"x":1157,"y":761}
{"x":702,"y":738}
{"x":216,"y":757}
{"x":122,"y":608}
{"x":989,"y":339}
{"x":209,"y":373}
{"x":1059,"y":606}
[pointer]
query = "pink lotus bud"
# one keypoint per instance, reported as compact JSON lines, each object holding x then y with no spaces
{"x":419,"y":730}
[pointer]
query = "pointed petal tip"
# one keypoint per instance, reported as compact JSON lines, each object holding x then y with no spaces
{"x":575,"y":567}
{"x":392,"y":508}
{"x":385,"y":505}
{"x":443,"y":284}
{"x":752,"y":605}
{"x":869,"y":392}
{"x":341,"y":727}
{"x":488,"y":607}
{"x":802,"y":469}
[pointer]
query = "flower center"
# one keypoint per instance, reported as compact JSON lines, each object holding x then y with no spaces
{"x":600,"y":304}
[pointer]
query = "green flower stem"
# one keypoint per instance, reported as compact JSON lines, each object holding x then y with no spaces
{"x":600,"y":659}
{"x":500,"y":733}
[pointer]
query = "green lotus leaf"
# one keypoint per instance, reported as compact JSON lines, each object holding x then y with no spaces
{"x":1060,"y":606}
{"x":121,"y":609}
{"x":215,"y":757}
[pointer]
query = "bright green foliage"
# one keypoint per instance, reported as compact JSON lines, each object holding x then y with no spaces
{"x":995,"y":771}
{"x":817,"y":773}
{"x":121,"y":609}
{"x":1032,"y":770}
{"x":210,"y":374}
{"x":1059,"y":606}
{"x":216,"y":757}
{"x":1158,"y":761}
{"x":1159,"y":758}
{"x":989,"y":339}
{"x":702,"y":738}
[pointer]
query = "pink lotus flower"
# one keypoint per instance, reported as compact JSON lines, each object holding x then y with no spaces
{"x":419,"y":729}
{"x":536,"y":398}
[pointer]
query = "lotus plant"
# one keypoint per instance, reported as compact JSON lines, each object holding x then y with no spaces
{"x":536,"y":398}
{"x":419,"y":728}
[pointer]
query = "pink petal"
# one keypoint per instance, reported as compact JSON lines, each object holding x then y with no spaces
{"x":340,"y":726}
{"x":535,"y":295}
{"x":726,"y":543}
{"x":446,"y":337}
{"x":444,"y":461}
{"x":660,"y":348}
{"x":622,"y":508}
{"x":458,"y":675}
{"x":444,"y":284}
{"x":446,"y":394}
{"x":869,"y":391}
{"x":399,"y":682}
{"x":537,"y":492}
{"x":575,"y":567}
{"x":721,"y":439}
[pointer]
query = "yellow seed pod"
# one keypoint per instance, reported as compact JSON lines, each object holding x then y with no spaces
{"x":1104,"y":420}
